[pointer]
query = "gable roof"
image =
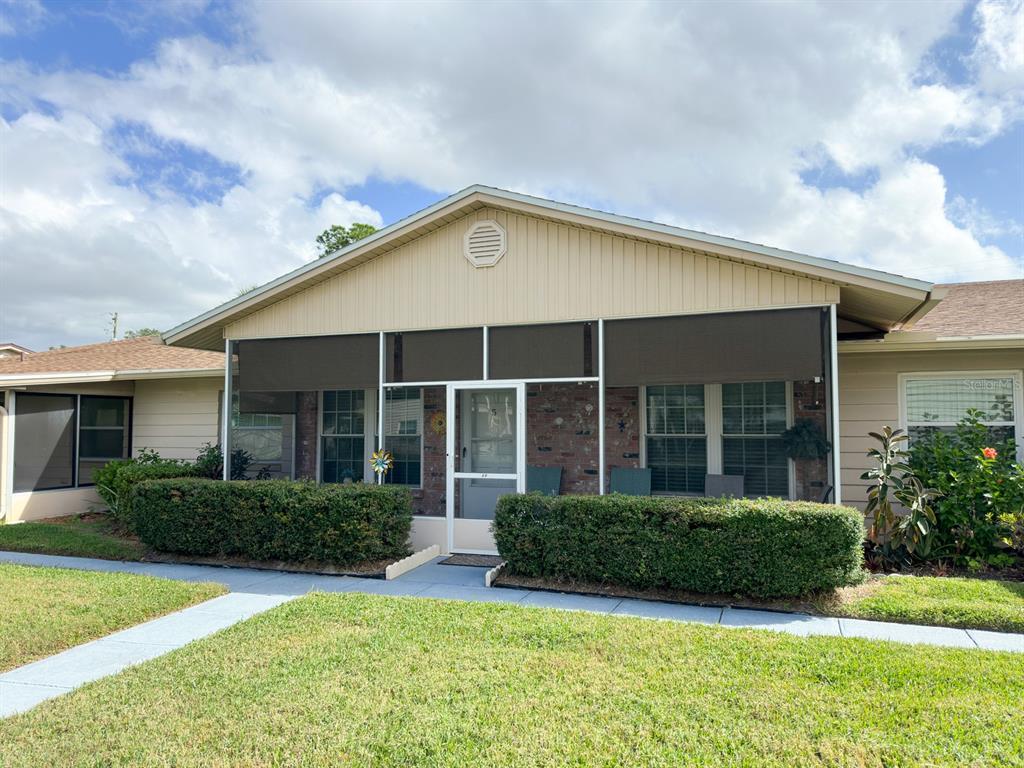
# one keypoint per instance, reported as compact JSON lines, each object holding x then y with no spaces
{"x":989,"y":308}
{"x":142,"y":357}
{"x":10,"y":345}
{"x":870,"y":295}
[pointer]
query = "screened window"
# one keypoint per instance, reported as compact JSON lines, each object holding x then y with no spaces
{"x":259,"y":434}
{"x":676,"y":439}
{"x":753,"y":420}
{"x":403,"y":434}
{"x":343,"y":449}
{"x":938,"y":403}
{"x":102,"y":434}
{"x":44,"y":448}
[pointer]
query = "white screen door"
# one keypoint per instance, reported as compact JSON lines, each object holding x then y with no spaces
{"x":486,"y":458}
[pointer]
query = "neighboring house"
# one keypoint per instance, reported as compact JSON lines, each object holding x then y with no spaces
{"x":520,"y":343}
{"x":9,"y":351}
{"x":68,"y":411}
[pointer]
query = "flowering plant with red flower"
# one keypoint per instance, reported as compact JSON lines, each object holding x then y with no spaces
{"x":989,"y":453}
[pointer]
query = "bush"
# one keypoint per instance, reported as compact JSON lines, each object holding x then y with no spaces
{"x":115,"y":480}
{"x":274,"y":519}
{"x":981,"y":487}
{"x":762,"y":548}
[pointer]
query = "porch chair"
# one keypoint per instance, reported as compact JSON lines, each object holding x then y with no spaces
{"x":547,"y":480}
{"x":721,"y":486}
{"x":631,"y":481}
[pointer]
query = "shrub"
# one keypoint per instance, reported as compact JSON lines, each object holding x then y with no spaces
{"x":981,"y":487}
{"x":274,"y":519}
{"x":115,"y":480}
{"x":763,"y":547}
{"x":210,"y":463}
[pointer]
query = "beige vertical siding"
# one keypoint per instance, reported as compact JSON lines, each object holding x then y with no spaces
{"x":869,"y":398}
{"x":551,"y":271}
{"x":176,"y":416}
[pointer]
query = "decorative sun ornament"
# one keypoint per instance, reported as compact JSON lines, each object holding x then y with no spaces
{"x":438,"y":423}
{"x":381,"y":461}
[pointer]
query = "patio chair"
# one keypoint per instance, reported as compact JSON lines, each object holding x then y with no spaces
{"x":631,"y":481}
{"x":547,"y":480}
{"x":720,"y":486}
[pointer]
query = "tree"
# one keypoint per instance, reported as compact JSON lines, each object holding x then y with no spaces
{"x":141,"y":332}
{"x":336,"y":237}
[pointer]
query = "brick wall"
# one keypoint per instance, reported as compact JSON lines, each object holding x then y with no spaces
{"x":809,"y":402}
{"x":306,"y":429}
{"x":430,"y":498}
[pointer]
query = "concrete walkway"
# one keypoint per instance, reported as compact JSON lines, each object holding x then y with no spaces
{"x":254,"y":591}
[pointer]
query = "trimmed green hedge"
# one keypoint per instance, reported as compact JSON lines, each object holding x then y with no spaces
{"x":116,"y":479}
{"x":762,"y":547}
{"x":274,"y":519}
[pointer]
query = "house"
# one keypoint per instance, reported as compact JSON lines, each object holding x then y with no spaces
{"x":497,"y":342}
{"x":10,"y":351}
{"x":68,"y":411}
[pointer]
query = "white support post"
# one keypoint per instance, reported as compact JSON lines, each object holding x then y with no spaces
{"x":600,"y":407}
{"x":7,"y":456}
{"x":833,"y":391}
{"x":487,"y":350}
{"x":381,"y":369}
{"x":226,"y":408}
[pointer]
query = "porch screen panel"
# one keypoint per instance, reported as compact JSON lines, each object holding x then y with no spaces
{"x":780,"y":345}
{"x":306,"y":364}
{"x":282,"y":403}
{"x":542,"y":351}
{"x":44,"y":448}
{"x":453,"y":355}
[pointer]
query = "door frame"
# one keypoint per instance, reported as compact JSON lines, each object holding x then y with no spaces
{"x":452,"y":403}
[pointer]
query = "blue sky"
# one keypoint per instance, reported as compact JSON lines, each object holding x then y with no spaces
{"x":193,"y":148}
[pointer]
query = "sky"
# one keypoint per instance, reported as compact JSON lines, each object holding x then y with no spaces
{"x":157,"y":158}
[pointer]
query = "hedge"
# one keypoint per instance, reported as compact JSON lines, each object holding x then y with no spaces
{"x":274,"y":519}
{"x":761,"y":548}
{"x":116,"y":479}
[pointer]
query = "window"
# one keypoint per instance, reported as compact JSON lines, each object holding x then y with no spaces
{"x":261,"y":435}
{"x":939,"y":402}
{"x":102,"y":434}
{"x":343,"y":451}
{"x":44,"y":446}
{"x":753,"y":419}
{"x":403,"y":434}
{"x":676,"y":438}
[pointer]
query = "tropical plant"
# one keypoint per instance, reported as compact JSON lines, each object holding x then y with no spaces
{"x":895,"y":485}
{"x":805,"y":440}
{"x":210,"y":463}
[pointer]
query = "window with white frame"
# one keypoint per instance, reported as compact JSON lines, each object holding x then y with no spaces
{"x":936,"y":402}
{"x":403,"y":434}
{"x":343,"y":455}
{"x":261,"y":435}
{"x":754,"y":416}
{"x":676,"y":438}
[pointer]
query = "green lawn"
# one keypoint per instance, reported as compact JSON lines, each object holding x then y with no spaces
{"x":946,"y":601}
{"x":92,"y":536}
{"x":362,"y":680}
{"x":45,"y":610}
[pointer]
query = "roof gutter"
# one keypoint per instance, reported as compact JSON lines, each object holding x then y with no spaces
{"x":91,"y":377}
{"x":935,"y":295}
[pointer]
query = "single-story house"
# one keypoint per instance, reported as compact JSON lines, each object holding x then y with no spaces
{"x":65,"y":412}
{"x":497,"y":342}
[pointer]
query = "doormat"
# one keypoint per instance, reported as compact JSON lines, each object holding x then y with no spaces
{"x":485,"y":561}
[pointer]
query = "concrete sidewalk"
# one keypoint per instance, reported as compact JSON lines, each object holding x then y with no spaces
{"x":253,"y":591}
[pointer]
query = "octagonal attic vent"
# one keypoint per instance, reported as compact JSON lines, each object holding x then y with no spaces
{"x":484,"y":243}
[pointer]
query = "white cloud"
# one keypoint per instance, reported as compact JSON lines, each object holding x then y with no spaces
{"x":698,"y":114}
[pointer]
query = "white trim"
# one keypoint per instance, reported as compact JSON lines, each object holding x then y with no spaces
{"x":449,"y":468}
{"x":1016,"y":376}
{"x":226,"y":402}
{"x":7,"y":455}
{"x":833,"y":391}
{"x":602,"y":459}
{"x":381,"y":400}
{"x":487,"y":353}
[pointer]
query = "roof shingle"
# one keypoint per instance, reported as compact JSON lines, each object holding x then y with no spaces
{"x":139,"y":354}
{"x":992,"y":308}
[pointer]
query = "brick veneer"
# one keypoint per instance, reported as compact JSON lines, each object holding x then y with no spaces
{"x":306,"y":435}
{"x":811,"y":475}
{"x":430,"y":498}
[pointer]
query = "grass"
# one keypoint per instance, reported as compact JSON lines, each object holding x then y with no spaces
{"x":363,"y":680}
{"x":942,"y":601}
{"x":86,"y":536}
{"x":45,"y":610}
